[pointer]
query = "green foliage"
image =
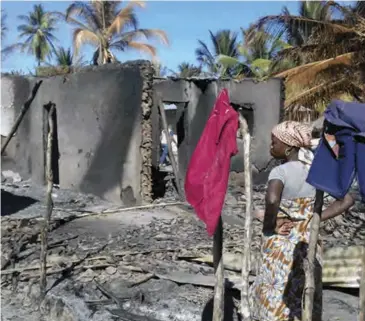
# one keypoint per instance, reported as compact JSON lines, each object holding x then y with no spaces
{"x":328,"y":52}
{"x":256,"y":55}
{"x":64,"y":57}
{"x":187,"y":70}
{"x":36,"y":33}
{"x":223,"y":42}
{"x":298,"y":32}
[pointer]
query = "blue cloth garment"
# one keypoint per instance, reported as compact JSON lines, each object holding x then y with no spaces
{"x":335,"y":175}
{"x":165,"y":151}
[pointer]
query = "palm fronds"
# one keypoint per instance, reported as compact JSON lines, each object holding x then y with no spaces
{"x":106,"y":25}
{"x":37,"y":34}
{"x":223,"y":42}
{"x":329,"y":57}
{"x":187,"y":70}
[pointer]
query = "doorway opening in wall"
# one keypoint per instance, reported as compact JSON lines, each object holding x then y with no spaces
{"x":55,"y":148}
{"x":247,"y":111}
{"x":164,"y":182}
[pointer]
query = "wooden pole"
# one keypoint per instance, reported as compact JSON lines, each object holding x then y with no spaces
{"x":218,"y":301}
{"x":246,"y":260}
{"x":362,"y":289}
{"x":19,"y":119}
{"x":309,"y":266}
{"x":49,"y":203}
{"x":171,"y":155}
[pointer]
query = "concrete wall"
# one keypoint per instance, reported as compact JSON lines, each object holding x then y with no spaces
{"x":14,"y":91}
{"x":103,"y":126}
{"x":108,"y":125}
{"x":195,"y":98}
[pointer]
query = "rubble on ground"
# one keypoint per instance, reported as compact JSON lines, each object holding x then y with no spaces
{"x":130,"y":265}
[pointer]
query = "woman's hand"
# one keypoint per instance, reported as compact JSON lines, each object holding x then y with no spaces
{"x":283,"y":226}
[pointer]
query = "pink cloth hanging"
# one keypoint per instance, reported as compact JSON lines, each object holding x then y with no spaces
{"x":208,"y":171}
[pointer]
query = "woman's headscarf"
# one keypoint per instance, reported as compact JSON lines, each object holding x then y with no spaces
{"x":298,"y":135}
{"x":293,"y":134}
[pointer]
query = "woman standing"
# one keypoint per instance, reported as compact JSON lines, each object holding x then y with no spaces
{"x":278,"y":290}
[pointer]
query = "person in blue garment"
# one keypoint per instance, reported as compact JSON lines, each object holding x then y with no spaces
{"x":164,"y":147}
{"x":339,"y":160}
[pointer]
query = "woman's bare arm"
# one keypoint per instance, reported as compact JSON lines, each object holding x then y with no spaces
{"x":338,"y":207}
{"x":272,"y":204}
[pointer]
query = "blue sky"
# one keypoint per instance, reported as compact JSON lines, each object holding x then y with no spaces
{"x":185,"y":22}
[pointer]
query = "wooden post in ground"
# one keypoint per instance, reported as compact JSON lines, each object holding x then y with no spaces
{"x":218,"y":300}
{"x":169,"y":146}
{"x":246,"y":260}
{"x":309,"y":263}
{"x":49,"y":202}
{"x":362,"y":289}
{"x":20,"y":116}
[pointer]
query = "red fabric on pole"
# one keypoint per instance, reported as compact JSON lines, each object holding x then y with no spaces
{"x":208,"y":171}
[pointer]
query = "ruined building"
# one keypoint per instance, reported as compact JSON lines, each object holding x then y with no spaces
{"x":108,"y":126}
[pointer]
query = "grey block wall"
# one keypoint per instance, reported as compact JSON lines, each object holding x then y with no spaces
{"x":262,"y":104}
{"x":108,"y":125}
{"x":99,"y":119}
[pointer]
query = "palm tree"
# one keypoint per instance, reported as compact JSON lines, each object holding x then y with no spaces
{"x":64,"y":62}
{"x":187,"y":70}
{"x":65,"y":58}
{"x":298,"y":32}
{"x":4,"y":28}
{"x":359,"y":8}
{"x":224,"y":42}
{"x":257,"y":52}
{"x":107,"y":27}
{"x":37,"y":32}
{"x":333,"y":56}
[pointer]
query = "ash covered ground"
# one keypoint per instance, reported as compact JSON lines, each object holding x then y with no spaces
{"x":131,"y":265}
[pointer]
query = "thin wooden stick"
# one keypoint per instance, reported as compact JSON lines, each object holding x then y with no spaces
{"x":19,"y":119}
{"x":141,"y":207}
{"x":49,"y":202}
{"x":246,"y":259}
{"x":309,"y":263}
{"x":171,"y":155}
{"x":84,"y":213}
{"x":218,"y":303}
{"x":362,"y":290}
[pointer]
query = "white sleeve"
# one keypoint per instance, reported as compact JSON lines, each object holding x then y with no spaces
{"x":277,"y":173}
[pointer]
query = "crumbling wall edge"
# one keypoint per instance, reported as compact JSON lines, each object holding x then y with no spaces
{"x":146,"y":127}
